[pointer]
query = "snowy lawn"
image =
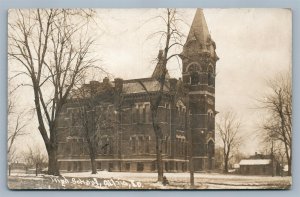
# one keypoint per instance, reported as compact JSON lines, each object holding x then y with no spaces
{"x":130,"y":180}
{"x":202,"y":180}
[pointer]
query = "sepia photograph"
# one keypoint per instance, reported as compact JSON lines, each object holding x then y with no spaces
{"x":149,"y":99}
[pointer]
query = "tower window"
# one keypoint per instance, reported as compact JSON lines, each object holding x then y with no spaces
{"x":210,"y":79}
{"x":194,"y":78}
{"x":211,"y":76}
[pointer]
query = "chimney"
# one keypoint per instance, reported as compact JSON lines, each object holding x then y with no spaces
{"x":94,"y":85}
{"x":106,"y":80}
{"x":173,"y":83}
{"x":119,"y":84}
{"x":160,"y":54}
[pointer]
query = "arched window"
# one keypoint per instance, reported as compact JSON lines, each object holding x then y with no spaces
{"x":210,"y":148}
{"x":194,"y":78}
{"x":211,"y":122}
{"x":211,"y":77}
{"x":192,"y":67}
{"x":202,"y":104}
{"x":210,"y":153}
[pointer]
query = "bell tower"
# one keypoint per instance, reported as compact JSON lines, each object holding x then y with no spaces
{"x":198,"y":73}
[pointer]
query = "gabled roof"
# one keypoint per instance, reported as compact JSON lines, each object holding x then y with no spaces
{"x":255,"y":162}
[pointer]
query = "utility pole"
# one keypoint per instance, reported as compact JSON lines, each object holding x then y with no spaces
{"x":190,"y":146}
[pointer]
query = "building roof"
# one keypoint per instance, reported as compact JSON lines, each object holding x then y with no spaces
{"x":255,"y":161}
{"x":133,"y":86}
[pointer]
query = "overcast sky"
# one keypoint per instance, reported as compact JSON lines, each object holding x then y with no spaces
{"x":252,"y":44}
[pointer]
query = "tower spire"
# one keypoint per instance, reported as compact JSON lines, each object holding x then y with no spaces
{"x":199,"y":38}
{"x":199,"y":30}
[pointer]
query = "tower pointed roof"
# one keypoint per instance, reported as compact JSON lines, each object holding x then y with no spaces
{"x":199,"y":30}
{"x":199,"y":39}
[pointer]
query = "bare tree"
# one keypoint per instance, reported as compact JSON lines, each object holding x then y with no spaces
{"x":276,"y":149}
{"x":228,"y":128}
{"x":15,"y":132}
{"x":173,"y":37}
{"x":53,"y":47}
{"x":16,"y":122}
{"x":93,"y":120}
{"x":90,"y":120}
{"x":87,"y":114}
{"x":278,"y":122}
{"x":34,"y":158}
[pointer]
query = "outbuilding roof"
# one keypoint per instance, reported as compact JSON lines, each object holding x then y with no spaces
{"x":255,"y":162}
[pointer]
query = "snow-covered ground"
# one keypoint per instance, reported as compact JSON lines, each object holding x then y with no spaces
{"x":202,"y":180}
{"x":130,"y":180}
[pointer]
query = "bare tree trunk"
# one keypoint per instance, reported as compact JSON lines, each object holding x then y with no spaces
{"x":190,"y":148}
{"x":226,"y":164}
{"x":226,"y":160}
{"x":158,"y":136}
{"x":90,"y":141}
{"x":93,"y":162}
{"x":159,"y":160}
{"x":53,"y":168}
{"x":191,"y":166}
{"x":289,"y":160}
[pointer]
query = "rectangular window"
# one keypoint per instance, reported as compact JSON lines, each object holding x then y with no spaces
{"x":110,"y":167}
{"x":141,"y":144}
{"x":166,"y":166}
{"x":140,"y":167}
{"x":127,"y":166}
{"x":79,"y":166}
{"x":111,"y":114}
{"x":111,"y":146}
{"x":153,"y":166}
{"x":147,"y":113}
{"x":73,"y":121}
{"x":167,"y":113}
{"x":73,"y":146}
{"x":147,"y":146}
{"x":141,"y":113}
{"x":144,"y":115}
{"x":105,"y":147}
{"x":166,"y":146}
{"x":133,"y":145}
{"x":99,"y":165}
{"x":134,"y":115}
{"x":75,"y":166}
{"x":69,"y":166}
